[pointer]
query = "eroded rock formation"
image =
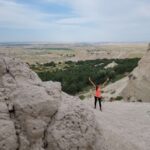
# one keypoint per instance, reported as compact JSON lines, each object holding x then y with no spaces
{"x":138,"y":87}
{"x":36,"y":115}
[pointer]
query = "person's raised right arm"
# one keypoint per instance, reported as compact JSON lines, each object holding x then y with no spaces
{"x":92,"y":82}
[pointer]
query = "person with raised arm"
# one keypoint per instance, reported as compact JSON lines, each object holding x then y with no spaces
{"x":98,"y":94}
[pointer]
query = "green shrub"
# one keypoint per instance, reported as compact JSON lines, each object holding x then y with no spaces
{"x":118,"y":98}
{"x":74,"y":77}
{"x":52,"y":64}
{"x":82,"y":97}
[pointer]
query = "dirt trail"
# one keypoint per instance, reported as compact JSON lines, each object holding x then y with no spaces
{"x":127,"y":122}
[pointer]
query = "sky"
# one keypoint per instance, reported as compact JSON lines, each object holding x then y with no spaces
{"x":74,"y":20}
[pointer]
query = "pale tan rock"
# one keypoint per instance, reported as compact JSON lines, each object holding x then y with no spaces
{"x":111,"y":65}
{"x":29,"y":106}
{"x":8,"y":138}
{"x":74,"y":127}
{"x":138,"y":87}
{"x":31,"y":109}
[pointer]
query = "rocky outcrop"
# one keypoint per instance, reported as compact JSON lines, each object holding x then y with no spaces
{"x":114,"y":90}
{"x":111,"y":65}
{"x":138,"y":87}
{"x":36,"y":115}
{"x":73,"y":127}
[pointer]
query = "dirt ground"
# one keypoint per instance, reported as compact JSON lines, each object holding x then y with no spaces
{"x":126,"y":122}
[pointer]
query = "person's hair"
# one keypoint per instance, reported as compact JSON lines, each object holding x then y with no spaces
{"x":97,"y":86}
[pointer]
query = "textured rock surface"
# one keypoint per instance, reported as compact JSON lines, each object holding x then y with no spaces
{"x":73,"y":127}
{"x":29,"y":105}
{"x":138,"y":87}
{"x":114,"y":90}
{"x":34,"y":116}
{"x":7,"y":130}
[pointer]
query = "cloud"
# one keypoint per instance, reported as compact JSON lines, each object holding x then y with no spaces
{"x":83,"y":12}
{"x":81,"y":8}
{"x":144,"y":11}
{"x":85,"y":20}
{"x":15,"y":15}
{"x":97,"y":10}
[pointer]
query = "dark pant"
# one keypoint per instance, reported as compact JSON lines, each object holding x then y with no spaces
{"x":98,"y":99}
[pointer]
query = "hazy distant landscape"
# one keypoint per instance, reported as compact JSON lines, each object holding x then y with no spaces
{"x":44,"y":53}
{"x":70,"y":63}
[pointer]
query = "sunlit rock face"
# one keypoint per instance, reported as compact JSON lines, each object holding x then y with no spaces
{"x":36,"y":115}
{"x":138,"y":87}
